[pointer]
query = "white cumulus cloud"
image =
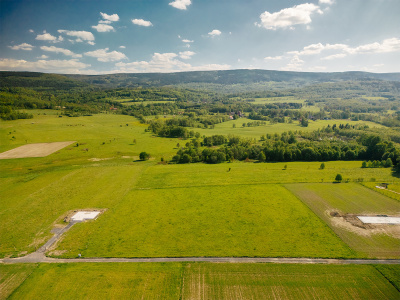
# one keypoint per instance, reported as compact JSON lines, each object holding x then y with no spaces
{"x":71,"y":66}
{"x":288,"y":17}
{"x":186,"y":54}
{"x":79,"y":35}
{"x":103,"y":28}
{"x":111,"y":18}
{"x":142,"y":22}
{"x":23,"y":46}
{"x":60,"y":50}
{"x":104,"y":56}
{"x":165,"y":63}
{"x":215,"y":32}
{"x":181,"y":4}
{"x":328,"y":2}
{"x":48,"y":37}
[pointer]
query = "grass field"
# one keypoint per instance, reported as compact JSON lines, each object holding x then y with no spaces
{"x":33,"y":200}
{"x":257,"y":220}
{"x":226,"y":128}
{"x":260,"y":281}
{"x":31,"y":204}
{"x":387,"y":192}
{"x":353,"y":199}
{"x":12,"y":276}
{"x":201,"y":281}
{"x":102,"y":281}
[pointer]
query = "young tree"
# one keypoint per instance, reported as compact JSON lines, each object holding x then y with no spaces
{"x":322,"y":166}
{"x":364,"y":164}
{"x":144,"y":156}
{"x":338,"y":178}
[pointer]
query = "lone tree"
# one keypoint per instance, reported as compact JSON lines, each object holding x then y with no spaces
{"x":322,"y":166}
{"x":144,"y":156}
{"x":338,"y":178}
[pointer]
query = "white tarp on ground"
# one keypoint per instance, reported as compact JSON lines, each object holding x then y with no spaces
{"x":379,"y":220}
{"x":84,"y":215}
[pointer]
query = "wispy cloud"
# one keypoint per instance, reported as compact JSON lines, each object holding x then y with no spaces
{"x":288,"y":17}
{"x":181,"y":4}
{"x":104,"y":55}
{"x":23,"y":46}
{"x":142,"y":22}
{"x":60,"y":50}
{"x":273,"y":58}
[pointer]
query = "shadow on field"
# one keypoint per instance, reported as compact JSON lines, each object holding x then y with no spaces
{"x":396,"y":173}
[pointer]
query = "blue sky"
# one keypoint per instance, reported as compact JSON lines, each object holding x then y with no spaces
{"x":112,"y":36}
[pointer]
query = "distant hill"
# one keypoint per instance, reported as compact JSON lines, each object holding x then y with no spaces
{"x":39,"y":81}
{"x":226,"y":81}
{"x":230,"y":77}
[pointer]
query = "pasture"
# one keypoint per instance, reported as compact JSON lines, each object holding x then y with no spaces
{"x":325,"y":199}
{"x":200,"y":281}
{"x":256,"y":132}
{"x":235,"y":220}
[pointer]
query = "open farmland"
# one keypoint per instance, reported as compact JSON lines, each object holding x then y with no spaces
{"x":12,"y":276}
{"x":201,"y":281}
{"x":334,"y":202}
{"x":255,"y":281}
{"x":257,"y":220}
{"x":226,"y":128}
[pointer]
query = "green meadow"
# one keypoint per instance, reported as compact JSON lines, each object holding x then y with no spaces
{"x":353,"y":199}
{"x":102,"y":171}
{"x":235,"y":220}
{"x":235,"y":127}
{"x":197,"y":281}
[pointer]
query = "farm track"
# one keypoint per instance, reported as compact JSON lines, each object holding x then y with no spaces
{"x":39,"y":257}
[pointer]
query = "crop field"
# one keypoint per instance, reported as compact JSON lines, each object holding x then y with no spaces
{"x":324,"y":199}
{"x":12,"y":276}
{"x":200,"y":281}
{"x":226,"y":128}
{"x":257,"y":220}
{"x":261,"y":281}
{"x":101,"y":281}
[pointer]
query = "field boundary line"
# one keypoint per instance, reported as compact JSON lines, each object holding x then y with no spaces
{"x":35,"y":258}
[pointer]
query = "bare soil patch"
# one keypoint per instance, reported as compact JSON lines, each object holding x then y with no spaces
{"x":352,"y":223}
{"x":34,"y":150}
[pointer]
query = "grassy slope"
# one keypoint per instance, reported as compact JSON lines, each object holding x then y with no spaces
{"x":354,"y":199}
{"x":235,"y":220}
{"x":202,"y":281}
